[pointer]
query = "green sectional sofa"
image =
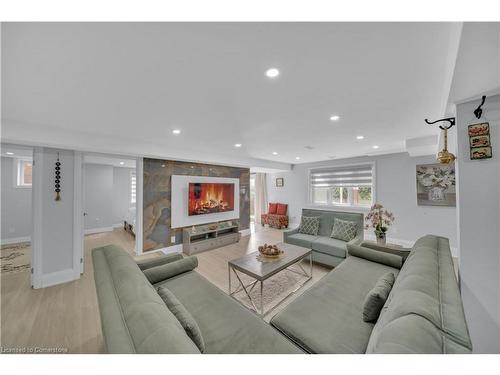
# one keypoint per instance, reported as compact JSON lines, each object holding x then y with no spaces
{"x":135,"y":319}
{"x":326,"y":250}
{"x":423,"y":313}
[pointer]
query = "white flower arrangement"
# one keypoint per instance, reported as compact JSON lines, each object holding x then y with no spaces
{"x":435,"y":176}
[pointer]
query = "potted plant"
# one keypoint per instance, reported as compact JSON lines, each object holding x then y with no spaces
{"x":380,"y":219}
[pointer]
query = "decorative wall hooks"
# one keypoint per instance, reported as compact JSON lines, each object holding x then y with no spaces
{"x":451,"y":120}
{"x":57,"y":181}
{"x":478,"y":111}
{"x":444,"y":156}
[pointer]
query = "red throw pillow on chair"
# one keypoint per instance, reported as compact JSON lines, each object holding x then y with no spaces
{"x":281,"y":209}
{"x":272,"y":208}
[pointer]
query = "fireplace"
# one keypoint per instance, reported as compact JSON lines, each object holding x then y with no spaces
{"x":209,"y":198}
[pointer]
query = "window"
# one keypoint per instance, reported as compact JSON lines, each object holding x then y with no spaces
{"x":24,"y":172}
{"x":342,"y":186}
{"x":133,"y":187}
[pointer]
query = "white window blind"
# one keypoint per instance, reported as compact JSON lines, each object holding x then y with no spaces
{"x":346,"y":186}
{"x":133,"y":187}
{"x":355,"y":175}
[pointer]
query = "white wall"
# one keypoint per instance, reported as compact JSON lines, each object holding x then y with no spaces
{"x":395,"y":189}
{"x":121,"y":194}
{"x":107,"y":196}
{"x":16,"y":205}
{"x":479,"y":228}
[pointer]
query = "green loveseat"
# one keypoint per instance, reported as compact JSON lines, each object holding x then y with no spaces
{"x":326,"y":250}
{"x":423,"y":312}
{"x":135,"y":319}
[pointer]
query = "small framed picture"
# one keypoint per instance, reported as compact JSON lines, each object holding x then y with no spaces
{"x":478,"y":153}
{"x":479,"y":141}
{"x":279,"y":182}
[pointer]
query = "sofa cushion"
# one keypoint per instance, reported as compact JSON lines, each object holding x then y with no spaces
{"x":327,"y":318}
{"x":226,"y":325}
{"x":281,"y":209}
{"x":300,"y":239}
{"x":426,"y":287}
{"x":388,"y":259}
{"x":165,"y":271}
{"x":272,"y":208}
{"x":377,"y":296}
{"x":309,"y":225}
{"x":344,"y":230}
{"x":134,"y":318}
{"x":183,"y":316}
{"x":330,"y":246}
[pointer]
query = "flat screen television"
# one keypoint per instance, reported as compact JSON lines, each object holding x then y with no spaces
{"x":210,"y":198}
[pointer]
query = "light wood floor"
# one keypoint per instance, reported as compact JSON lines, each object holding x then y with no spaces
{"x":67,"y":315}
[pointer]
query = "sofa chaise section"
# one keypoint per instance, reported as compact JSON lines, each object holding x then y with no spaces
{"x":135,"y":319}
{"x":327,"y":318}
{"x":423,"y":312}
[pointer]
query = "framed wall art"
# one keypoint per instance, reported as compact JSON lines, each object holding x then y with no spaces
{"x":279,"y":182}
{"x":479,"y":141}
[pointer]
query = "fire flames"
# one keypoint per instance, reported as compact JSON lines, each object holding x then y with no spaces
{"x":210,"y":198}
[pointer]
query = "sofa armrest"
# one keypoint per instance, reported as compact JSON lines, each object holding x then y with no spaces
{"x":288,"y":233}
{"x":403,"y":252}
{"x":158,"y":261}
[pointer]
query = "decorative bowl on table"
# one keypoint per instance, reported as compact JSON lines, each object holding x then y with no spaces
{"x":270,"y":251}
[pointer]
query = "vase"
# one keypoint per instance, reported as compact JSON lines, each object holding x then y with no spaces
{"x":436,"y":194}
{"x":380,"y":237}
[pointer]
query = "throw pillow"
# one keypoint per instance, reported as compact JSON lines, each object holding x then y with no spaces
{"x":272,"y":208}
{"x":344,"y":230}
{"x":375,"y":299}
{"x":183,"y":316}
{"x":168,"y":270}
{"x":281,"y":209}
{"x":309,"y":225}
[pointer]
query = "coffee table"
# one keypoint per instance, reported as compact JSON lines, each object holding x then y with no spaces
{"x":260,"y":270}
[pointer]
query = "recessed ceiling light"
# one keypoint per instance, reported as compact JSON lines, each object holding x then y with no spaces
{"x":272,"y":73}
{"x":375,"y":147}
{"x":122,"y":163}
{"x":297,"y":158}
{"x":359,"y":137}
{"x":176,"y":131}
{"x":275,"y":153}
{"x":9,"y":153}
{"x":237,"y":145}
{"x":334,"y":118}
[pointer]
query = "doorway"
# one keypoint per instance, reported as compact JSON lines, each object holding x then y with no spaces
{"x":109,"y":202}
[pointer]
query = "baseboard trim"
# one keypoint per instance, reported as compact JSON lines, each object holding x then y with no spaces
{"x":98,"y":230}
{"x":245,"y":232}
{"x":59,"y":277}
{"x":9,"y":241}
{"x":118,"y":225}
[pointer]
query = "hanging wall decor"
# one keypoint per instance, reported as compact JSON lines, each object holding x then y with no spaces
{"x":444,"y":156}
{"x":479,"y":141}
{"x":57,"y":181}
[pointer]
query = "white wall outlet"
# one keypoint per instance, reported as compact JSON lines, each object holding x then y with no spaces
{"x":172,"y":239}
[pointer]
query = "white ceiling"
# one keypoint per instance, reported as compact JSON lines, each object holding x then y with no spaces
{"x":123,"y":87}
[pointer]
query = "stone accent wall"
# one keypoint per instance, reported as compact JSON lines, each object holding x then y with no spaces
{"x":157,"y":195}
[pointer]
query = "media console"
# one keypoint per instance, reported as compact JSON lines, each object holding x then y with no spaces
{"x":208,"y":237}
